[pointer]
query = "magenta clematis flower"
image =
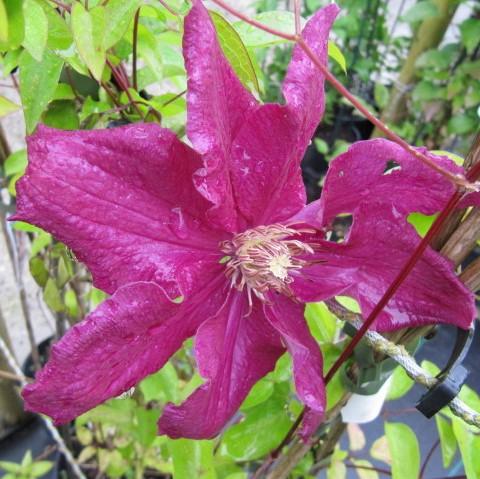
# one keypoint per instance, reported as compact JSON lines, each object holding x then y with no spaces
{"x":223,"y":226}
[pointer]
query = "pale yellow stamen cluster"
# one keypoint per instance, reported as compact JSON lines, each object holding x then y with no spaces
{"x":262,"y":258}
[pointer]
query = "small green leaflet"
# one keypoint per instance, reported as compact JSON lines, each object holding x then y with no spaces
{"x":7,"y":106}
{"x":119,"y":13}
{"x":235,"y":51}
{"x":38,"y":82}
{"x":404,"y":450}
{"x":3,"y":23}
{"x":36,"y":29}
{"x":336,"y":54}
{"x":88,"y":32}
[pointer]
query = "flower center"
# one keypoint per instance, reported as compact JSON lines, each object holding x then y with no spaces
{"x":262,"y":258}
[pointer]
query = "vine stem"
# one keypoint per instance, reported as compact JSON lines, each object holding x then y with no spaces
{"x":134,"y":49}
{"x":458,"y":180}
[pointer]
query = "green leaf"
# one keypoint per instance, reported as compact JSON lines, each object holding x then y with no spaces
{"x":161,"y":386}
{"x":10,"y":466}
{"x":470,"y":31}
{"x":321,"y":145}
{"x":192,"y":459}
{"x":356,"y":437}
{"x":456,"y":158}
{"x":62,"y":114}
{"x":3,"y":23}
{"x":322,"y":323}
{"x":448,"y":442}
{"x":59,"y":34}
{"x":254,"y":37}
{"x":469,"y":445}
{"x":422,"y":223}
{"x":119,"y":14}
{"x":40,"y":242}
{"x":88,"y":33}
{"x":15,"y":163}
{"x":337,"y":468}
{"x":400,"y":385}
{"x":365,"y":473}
{"x":40,"y":468}
{"x":38,"y":81}
{"x":380,"y":450}
{"x":462,"y":124}
{"x":36,"y":29}
{"x":38,"y":271}
{"x":381,"y":95}
{"x":262,"y":390}
{"x":150,"y":51}
{"x":336,"y":54}
{"x":71,"y":303}
{"x":7,"y":106}
{"x":27,"y":459}
{"x":235,"y":51}
{"x":52,"y":296}
{"x":404,"y":450}
{"x":14,"y":13}
{"x":247,"y":440}
{"x":63,"y":92}
{"x":420,"y":11}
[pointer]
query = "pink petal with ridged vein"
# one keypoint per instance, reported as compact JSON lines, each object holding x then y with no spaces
{"x":359,"y":175}
{"x":129,"y":336}
{"x":234,"y":349}
{"x":378,"y":246}
{"x":123,"y":200}
{"x":216,"y":105}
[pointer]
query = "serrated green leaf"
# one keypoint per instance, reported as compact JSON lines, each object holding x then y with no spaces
{"x":36,"y":29}
{"x":3,"y":23}
{"x":119,"y":14}
{"x":235,"y":51}
{"x":88,"y":33}
{"x":40,"y":242}
{"x":336,"y":54}
{"x":448,"y":443}
{"x":7,"y":106}
{"x":38,"y":81}
{"x":404,"y":450}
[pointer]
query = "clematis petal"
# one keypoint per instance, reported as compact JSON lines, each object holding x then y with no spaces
{"x":129,"y":336}
{"x":268,"y":149}
{"x":379,"y":169}
{"x":303,"y":87}
{"x":123,"y":200}
{"x":378,"y":246}
{"x":288,"y":319}
{"x":217,"y":103}
{"x":266,"y":166}
{"x":234,"y":349}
